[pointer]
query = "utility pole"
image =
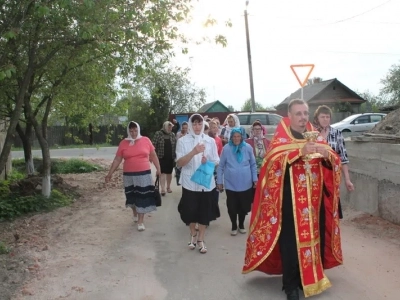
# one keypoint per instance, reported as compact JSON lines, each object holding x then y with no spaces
{"x":253,"y":101}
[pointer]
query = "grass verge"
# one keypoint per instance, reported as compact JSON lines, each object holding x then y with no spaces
{"x":59,"y":166}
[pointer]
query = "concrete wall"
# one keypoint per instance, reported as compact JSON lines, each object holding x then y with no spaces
{"x":375,"y":173}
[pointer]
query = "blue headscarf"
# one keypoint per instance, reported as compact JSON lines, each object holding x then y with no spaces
{"x":237,"y":149}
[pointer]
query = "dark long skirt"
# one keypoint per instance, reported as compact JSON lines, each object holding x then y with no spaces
{"x":195,"y":207}
{"x":139,"y":191}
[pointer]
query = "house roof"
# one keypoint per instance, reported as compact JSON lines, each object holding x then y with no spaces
{"x":311,"y":92}
{"x":206,"y":107}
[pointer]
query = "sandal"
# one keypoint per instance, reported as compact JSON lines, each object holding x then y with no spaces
{"x":193,"y":242}
{"x":203,"y":248}
{"x":169,"y":190}
{"x":162,"y":193}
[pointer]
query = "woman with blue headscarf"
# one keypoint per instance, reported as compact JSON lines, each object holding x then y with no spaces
{"x":237,"y":172}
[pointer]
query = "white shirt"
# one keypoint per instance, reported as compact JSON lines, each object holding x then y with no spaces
{"x":186,"y":144}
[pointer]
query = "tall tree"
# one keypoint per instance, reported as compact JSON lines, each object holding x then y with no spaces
{"x":374,"y":102}
{"x":391,"y":85}
{"x":231,"y":108}
{"x":248,"y":107}
{"x":38,"y":36}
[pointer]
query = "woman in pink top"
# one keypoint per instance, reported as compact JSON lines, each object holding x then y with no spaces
{"x":137,"y":152}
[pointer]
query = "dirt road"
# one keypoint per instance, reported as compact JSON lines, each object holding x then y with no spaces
{"x":92,"y":250}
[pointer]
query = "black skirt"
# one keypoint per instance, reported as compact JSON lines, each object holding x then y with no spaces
{"x":195,"y":207}
{"x":166,"y":165}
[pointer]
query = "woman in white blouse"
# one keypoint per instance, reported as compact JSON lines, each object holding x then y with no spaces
{"x":192,"y":150}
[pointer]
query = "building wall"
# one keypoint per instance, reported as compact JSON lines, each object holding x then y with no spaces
{"x":375,"y":173}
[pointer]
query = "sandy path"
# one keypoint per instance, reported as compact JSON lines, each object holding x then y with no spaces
{"x":95,"y":252}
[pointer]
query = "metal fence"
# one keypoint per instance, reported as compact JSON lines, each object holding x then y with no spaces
{"x":66,"y":136}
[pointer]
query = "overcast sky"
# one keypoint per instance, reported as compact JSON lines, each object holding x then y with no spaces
{"x":354,"y":41}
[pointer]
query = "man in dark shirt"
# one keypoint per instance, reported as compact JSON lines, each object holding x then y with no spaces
{"x":176,"y":126}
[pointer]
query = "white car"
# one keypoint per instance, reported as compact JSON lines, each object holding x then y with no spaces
{"x":359,"y":122}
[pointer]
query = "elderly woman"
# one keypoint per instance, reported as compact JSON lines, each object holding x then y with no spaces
{"x":259,"y":143}
{"x":192,"y":150}
{"x":232,"y":121}
{"x":237,"y":158}
{"x":136,"y":151}
{"x":165,"y":143}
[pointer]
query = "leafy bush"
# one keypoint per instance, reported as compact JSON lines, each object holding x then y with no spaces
{"x":74,"y":166}
{"x":15,"y":205}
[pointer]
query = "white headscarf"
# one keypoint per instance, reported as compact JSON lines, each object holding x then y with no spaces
{"x":228,"y":129}
{"x":129,"y":138}
{"x":165,"y":126}
{"x":197,"y":137}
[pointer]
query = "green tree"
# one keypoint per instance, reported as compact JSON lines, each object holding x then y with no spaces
{"x":42,"y":42}
{"x":231,"y":108}
{"x":391,"y":85}
{"x":248,"y":107}
{"x":374,"y":102}
{"x":168,"y":86}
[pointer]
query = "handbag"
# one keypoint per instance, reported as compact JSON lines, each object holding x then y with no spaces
{"x":157,"y":195}
{"x":204,"y":174}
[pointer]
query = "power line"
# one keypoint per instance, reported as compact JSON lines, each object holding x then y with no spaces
{"x":360,"y":14}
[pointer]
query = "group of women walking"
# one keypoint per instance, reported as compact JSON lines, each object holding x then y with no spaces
{"x":234,"y":161}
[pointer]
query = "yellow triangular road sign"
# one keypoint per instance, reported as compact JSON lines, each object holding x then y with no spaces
{"x":304,"y":81}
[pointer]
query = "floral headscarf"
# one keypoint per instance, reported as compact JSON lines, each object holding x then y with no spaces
{"x":237,"y":149}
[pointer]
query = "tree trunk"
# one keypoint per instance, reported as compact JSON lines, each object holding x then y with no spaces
{"x":26,"y":138}
{"x":46,"y":184}
{"x":46,"y":179}
{"x":15,"y":115}
{"x":90,"y":134}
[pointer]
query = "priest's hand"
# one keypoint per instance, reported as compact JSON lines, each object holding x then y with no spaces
{"x":308,"y":148}
{"x":323,"y":151}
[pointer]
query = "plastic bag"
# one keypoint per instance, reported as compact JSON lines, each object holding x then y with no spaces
{"x":204,"y":174}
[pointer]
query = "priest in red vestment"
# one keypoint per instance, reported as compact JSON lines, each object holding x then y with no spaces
{"x":294,"y":226}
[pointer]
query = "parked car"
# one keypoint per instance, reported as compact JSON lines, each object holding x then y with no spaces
{"x":359,"y":122}
{"x":269,"y":120}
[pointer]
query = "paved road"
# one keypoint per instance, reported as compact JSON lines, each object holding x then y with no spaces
{"x":104,"y":152}
{"x":101,"y":251}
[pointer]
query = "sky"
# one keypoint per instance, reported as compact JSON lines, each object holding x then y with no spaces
{"x":354,"y":41}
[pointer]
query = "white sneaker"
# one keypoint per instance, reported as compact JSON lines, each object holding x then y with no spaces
{"x":141,"y":227}
{"x":234,"y":232}
{"x":242,"y":230}
{"x":135,"y":219}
